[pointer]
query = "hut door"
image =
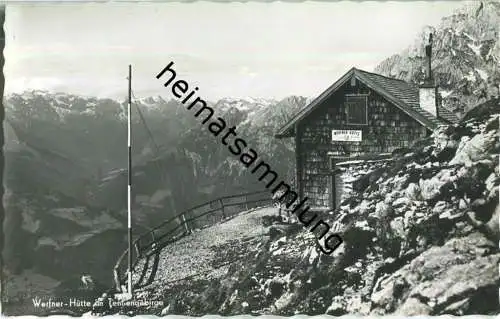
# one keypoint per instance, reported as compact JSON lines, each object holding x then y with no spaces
{"x":339,"y":189}
{"x":336,"y":184}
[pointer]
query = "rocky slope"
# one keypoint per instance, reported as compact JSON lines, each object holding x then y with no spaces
{"x":419,"y":239}
{"x":466,"y":56}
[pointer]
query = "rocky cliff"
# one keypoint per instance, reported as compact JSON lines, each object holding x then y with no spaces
{"x":465,"y":60}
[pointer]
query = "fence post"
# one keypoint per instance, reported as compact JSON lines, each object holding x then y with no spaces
{"x":222,"y":207}
{"x":116,"y":275}
{"x":136,"y":245}
{"x":185,"y":223}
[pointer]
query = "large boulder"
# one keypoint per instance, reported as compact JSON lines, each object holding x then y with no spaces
{"x":455,"y":278}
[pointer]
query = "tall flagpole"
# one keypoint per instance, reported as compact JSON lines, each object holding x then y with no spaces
{"x":129,"y":194}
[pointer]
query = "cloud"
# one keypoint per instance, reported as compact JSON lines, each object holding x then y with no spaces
{"x":36,"y":83}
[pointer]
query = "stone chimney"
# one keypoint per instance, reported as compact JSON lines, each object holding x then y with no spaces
{"x":428,"y":92}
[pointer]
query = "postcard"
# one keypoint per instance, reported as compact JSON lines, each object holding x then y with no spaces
{"x":231,"y":158}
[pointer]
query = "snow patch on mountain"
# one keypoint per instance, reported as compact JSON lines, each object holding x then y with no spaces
{"x":475,"y":48}
{"x":483,"y":74}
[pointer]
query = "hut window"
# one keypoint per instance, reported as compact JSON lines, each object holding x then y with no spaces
{"x":357,"y":109}
{"x":353,"y":81}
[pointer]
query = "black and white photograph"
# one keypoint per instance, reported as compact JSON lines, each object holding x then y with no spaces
{"x":227,"y":158}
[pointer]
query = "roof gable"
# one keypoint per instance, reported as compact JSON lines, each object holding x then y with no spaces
{"x":403,"y":95}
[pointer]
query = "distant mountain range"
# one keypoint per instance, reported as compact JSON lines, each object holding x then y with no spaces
{"x":91,"y":134}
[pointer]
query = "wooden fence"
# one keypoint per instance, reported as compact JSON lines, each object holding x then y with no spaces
{"x":183,"y":224}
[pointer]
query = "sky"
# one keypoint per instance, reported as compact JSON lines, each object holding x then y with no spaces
{"x":266,"y":50}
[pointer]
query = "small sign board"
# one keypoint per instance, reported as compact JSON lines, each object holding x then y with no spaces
{"x":346,"y":135}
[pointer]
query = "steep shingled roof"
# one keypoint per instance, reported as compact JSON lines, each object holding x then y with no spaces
{"x":402,"y":94}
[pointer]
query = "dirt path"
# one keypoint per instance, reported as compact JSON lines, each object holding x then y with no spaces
{"x":196,"y":253}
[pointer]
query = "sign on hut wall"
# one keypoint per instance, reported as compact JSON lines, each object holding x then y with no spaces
{"x":346,"y":135}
